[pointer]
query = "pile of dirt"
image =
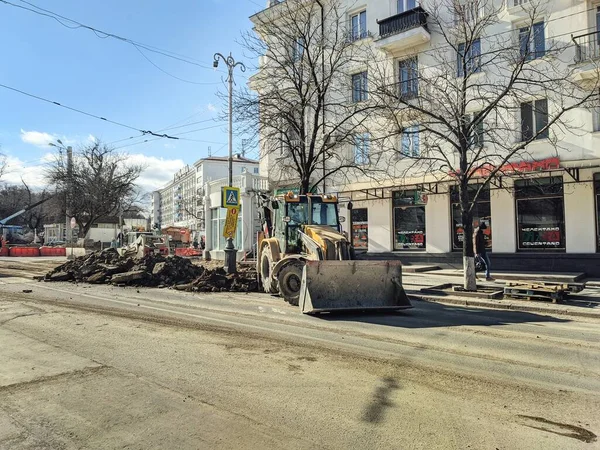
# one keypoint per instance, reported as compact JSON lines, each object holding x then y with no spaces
{"x":107,"y":267}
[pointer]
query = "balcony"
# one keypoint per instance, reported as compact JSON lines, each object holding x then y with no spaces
{"x":587,"y":56}
{"x":402,"y":31}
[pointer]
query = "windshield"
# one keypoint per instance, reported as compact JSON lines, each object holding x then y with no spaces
{"x":324,"y":214}
{"x":298,"y":213}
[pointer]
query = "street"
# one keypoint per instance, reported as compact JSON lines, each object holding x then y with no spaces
{"x":88,"y":366}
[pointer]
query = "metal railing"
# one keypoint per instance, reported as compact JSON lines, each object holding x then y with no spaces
{"x":414,"y":18}
{"x":587,"y":47}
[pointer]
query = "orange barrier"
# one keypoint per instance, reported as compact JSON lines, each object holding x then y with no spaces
{"x":4,"y":251}
{"x":188,"y":252}
{"x":53,"y":251}
{"x":24,"y":251}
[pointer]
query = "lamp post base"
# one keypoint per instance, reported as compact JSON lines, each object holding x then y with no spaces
{"x":230,"y":257}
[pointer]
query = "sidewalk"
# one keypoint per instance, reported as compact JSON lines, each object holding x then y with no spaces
{"x":583,"y":304}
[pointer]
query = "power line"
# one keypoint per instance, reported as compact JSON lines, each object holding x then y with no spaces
{"x":144,"y":132}
{"x":104,"y":35}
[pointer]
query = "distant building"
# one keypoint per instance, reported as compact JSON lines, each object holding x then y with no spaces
{"x":192,"y":198}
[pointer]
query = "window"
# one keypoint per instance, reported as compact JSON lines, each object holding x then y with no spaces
{"x":409,"y":220}
{"x":520,"y":2}
{"x":298,"y":49}
{"x":540,"y":214}
{"x":359,"y":87}
{"x":358,"y":26}
{"x":468,"y":11}
{"x":360,"y":228}
{"x":482,"y":213}
{"x":476,"y":139}
{"x":408,"y":74}
{"x":406,"y":5}
{"x":471,"y":60}
{"x":361,"y":149}
{"x":534,"y":118}
{"x":409,"y":145}
{"x":532,"y":44}
{"x":255,"y":170}
{"x":217,"y":216}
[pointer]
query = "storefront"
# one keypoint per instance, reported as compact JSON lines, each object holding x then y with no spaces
{"x":482,"y":213}
{"x":540,"y":214}
{"x":360,"y":229}
{"x":409,"y":220}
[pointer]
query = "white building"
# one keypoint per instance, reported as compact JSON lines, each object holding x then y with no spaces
{"x":548,"y":218}
{"x":192,"y":200}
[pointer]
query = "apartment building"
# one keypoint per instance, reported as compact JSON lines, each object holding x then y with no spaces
{"x":542,"y":208}
{"x":191,"y":199}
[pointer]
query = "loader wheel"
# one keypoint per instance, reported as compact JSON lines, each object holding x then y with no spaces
{"x":289,"y":280}
{"x":266,"y":266}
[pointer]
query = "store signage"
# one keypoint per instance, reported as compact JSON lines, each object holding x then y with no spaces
{"x":415,"y":238}
{"x":540,"y":237}
{"x":231,"y":221}
{"x":518,"y":167}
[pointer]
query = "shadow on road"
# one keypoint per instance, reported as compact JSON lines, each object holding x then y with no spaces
{"x":431,"y":315}
{"x":375,"y":411}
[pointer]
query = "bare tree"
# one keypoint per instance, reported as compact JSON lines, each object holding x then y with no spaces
{"x":305,"y":106}
{"x":2,"y":165}
{"x":99,"y":183}
{"x":483,"y":96}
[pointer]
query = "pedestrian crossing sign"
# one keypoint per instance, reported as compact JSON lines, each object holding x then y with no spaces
{"x":230,"y":197}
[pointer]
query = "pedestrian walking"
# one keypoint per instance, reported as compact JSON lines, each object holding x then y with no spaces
{"x":480,"y":250}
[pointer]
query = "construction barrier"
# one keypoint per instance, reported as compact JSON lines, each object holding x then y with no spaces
{"x":24,"y":251}
{"x":188,"y":252}
{"x":53,"y":251}
{"x":4,"y":251}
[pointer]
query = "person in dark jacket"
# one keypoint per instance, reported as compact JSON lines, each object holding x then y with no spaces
{"x":480,"y":250}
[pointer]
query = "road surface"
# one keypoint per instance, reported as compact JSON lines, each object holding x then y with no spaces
{"x":104,"y":367}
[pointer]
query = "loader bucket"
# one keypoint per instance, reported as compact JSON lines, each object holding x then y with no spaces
{"x":352,"y":285}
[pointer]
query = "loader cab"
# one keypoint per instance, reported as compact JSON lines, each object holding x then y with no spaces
{"x":296,"y":211}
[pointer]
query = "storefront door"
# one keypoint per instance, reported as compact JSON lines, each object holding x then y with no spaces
{"x":540,"y":214}
{"x":482,"y":213}
{"x":360,"y":229}
{"x":409,"y":220}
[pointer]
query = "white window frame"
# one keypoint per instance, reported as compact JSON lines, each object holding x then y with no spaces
{"x":411,"y":136}
{"x":361,"y":30}
{"x":403,"y":5}
{"x":361,"y":149}
{"x":361,"y":93}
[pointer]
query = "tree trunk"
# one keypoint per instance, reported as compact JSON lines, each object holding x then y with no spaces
{"x":305,"y":186}
{"x":470,"y":282}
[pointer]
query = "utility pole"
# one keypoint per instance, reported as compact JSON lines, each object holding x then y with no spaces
{"x":69,"y":187}
{"x":230,"y":251}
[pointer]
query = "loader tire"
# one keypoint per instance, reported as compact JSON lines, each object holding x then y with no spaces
{"x":289,"y":280}
{"x":266,"y":267}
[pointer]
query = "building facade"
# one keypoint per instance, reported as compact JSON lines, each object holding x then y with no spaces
{"x":192,"y":201}
{"x":543,"y":207}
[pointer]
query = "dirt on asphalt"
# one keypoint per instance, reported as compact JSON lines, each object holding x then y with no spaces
{"x":107,"y":267}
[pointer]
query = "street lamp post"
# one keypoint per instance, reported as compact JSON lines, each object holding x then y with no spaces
{"x":230,"y":251}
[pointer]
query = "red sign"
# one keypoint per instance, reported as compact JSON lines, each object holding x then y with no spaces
{"x":520,"y":167}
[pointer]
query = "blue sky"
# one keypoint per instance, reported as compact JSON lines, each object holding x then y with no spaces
{"x":110,"y":78}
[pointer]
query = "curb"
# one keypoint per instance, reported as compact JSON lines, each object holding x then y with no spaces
{"x":450,"y":300}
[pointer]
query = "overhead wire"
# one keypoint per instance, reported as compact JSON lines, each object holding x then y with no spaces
{"x":144,"y":132}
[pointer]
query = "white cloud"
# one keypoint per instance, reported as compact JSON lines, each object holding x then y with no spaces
{"x":37,"y":138}
{"x":158,"y":171}
{"x":211,"y":107}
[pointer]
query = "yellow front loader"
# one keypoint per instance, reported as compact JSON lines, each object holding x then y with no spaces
{"x":304,"y":256}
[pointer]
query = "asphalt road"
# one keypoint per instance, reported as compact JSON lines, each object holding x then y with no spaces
{"x":102,"y":367}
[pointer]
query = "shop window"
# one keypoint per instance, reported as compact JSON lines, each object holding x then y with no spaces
{"x":409,"y":220}
{"x":217,"y":216}
{"x":540,"y":214}
{"x":597,"y":191}
{"x":360,"y":228}
{"x":482,"y":213}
